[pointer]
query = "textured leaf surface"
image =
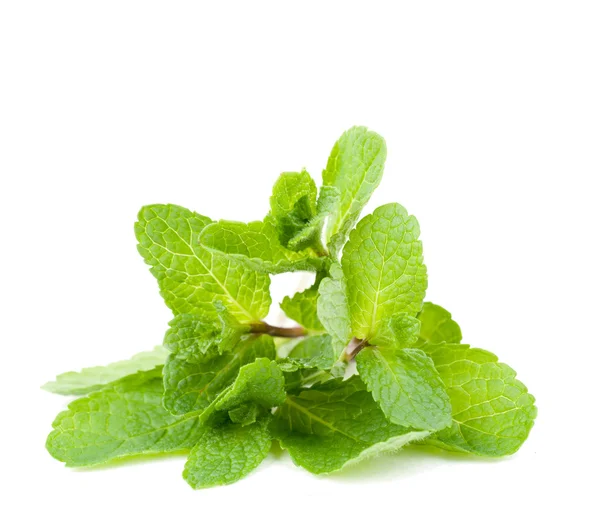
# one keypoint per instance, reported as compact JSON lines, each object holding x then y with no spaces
{"x":192,"y":383}
{"x":256,"y":244}
{"x":298,"y":377}
{"x":293,"y":206}
{"x":190,"y":278}
{"x":400,"y":331}
{"x":383,"y":266}
{"x":193,"y":337}
{"x":259,"y":382}
{"x":95,"y":378}
{"x":334,"y":424}
{"x":492,"y":411}
{"x":245,"y":414}
{"x":333,"y":309}
{"x":310,"y":235}
{"x":302,"y":307}
{"x":315,"y":352}
{"x":355,"y":168}
{"x":437,"y":325}
{"x":125,"y":419}
{"x":407,"y":387}
{"x":225,"y":454}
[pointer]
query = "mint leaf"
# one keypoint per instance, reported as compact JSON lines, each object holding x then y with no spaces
{"x":193,"y":336}
{"x":492,"y":411}
{"x":437,"y":325}
{"x":383,"y":265}
{"x":310,"y":235}
{"x":407,"y":387}
{"x":190,"y":278}
{"x":95,"y":378}
{"x":124,"y":419}
{"x":333,"y":309}
{"x":315,"y":352}
{"x":260,"y":382}
{"x":192,"y":383}
{"x":293,"y":205}
{"x":335,"y":424}
{"x":245,"y":414}
{"x":302,"y":307}
{"x":225,"y":454}
{"x":300,"y":376}
{"x":400,"y":331}
{"x":355,"y":168}
{"x":257,"y":246}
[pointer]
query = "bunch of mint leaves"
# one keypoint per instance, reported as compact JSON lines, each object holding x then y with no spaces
{"x":225,"y":384}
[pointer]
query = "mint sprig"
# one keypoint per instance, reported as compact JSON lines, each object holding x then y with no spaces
{"x":225,"y":384}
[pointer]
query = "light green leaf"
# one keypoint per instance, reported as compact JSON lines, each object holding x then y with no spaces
{"x":95,"y":378}
{"x":400,"y":331}
{"x":298,"y":376}
{"x":126,"y":418}
{"x":437,"y":325}
{"x":302,"y":307}
{"x":245,"y":414}
{"x":492,"y":411}
{"x":407,"y":387}
{"x":193,"y":337}
{"x":293,"y":206}
{"x":231,"y":329}
{"x":225,"y":454}
{"x":288,"y":189}
{"x":315,"y":352}
{"x":335,"y":424}
{"x":383,"y":265}
{"x":192,"y":384}
{"x":190,"y":278}
{"x":310,"y":235}
{"x":257,"y":246}
{"x":355,"y":168}
{"x":260,"y":382}
{"x":333,"y":309}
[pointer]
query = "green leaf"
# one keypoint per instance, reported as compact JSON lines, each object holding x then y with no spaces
{"x":302,"y":307}
{"x":231,"y":329}
{"x":260,"y":382}
{"x":315,"y":352}
{"x":400,"y":331}
{"x":257,"y":246}
{"x":225,"y":454}
{"x":437,"y":325}
{"x":310,"y":235}
{"x":492,"y":411}
{"x":192,"y":383}
{"x":335,"y":424}
{"x":126,"y":418}
{"x":293,"y":205}
{"x":298,"y":376}
{"x":355,"y":168}
{"x":95,"y":378}
{"x":383,"y":265}
{"x":407,"y":387}
{"x":333,"y":309}
{"x":193,"y":337}
{"x":245,"y":414}
{"x":190,"y":278}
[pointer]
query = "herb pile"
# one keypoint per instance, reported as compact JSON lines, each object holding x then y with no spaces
{"x":225,"y":384}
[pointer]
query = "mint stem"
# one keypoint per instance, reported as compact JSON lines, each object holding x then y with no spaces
{"x":354,"y":347}
{"x":279,"y":332}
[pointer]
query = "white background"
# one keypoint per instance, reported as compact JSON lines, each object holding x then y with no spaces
{"x":491,"y":114}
